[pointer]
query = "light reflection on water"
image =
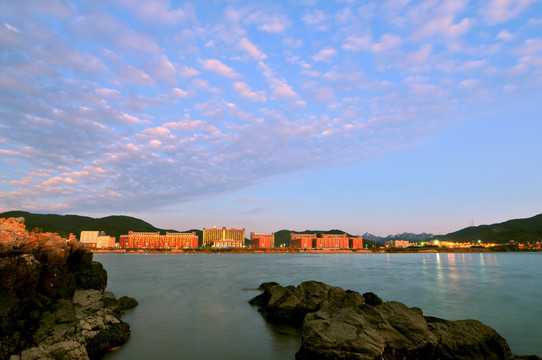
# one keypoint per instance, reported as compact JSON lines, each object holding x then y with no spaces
{"x":195,"y":306}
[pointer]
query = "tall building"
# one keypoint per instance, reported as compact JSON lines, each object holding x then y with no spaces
{"x":302,"y":241}
{"x":355,"y":242}
{"x":153,"y":240}
{"x":223,"y":237}
{"x":90,"y":237}
{"x":332,"y":241}
{"x":325,"y":241}
{"x":262,"y":240}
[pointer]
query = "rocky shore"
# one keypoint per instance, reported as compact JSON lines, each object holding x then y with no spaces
{"x":53,"y":303}
{"x":343,"y":324}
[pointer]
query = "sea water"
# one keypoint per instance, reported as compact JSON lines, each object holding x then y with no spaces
{"x":195,"y":306}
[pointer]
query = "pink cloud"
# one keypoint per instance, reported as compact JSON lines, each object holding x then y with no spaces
{"x":246,"y":92}
{"x":325,"y":55}
{"x":251,"y":49}
{"x":218,"y":67}
{"x":498,"y":11}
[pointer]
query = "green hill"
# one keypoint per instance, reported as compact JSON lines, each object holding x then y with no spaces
{"x":65,"y":224}
{"x":519,"y":230}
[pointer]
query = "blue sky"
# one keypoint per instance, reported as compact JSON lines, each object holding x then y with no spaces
{"x":368,"y":116}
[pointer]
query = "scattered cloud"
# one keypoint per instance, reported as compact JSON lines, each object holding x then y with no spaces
{"x":498,"y":11}
{"x":324,"y":55}
{"x":97,"y":100}
{"x":220,"y":68}
{"x":251,"y":50}
{"x":246,"y":92}
{"x":314,"y":18}
{"x":274,"y":23}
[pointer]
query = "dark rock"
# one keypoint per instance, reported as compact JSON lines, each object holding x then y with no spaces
{"x":91,"y":277}
{"x":372,"y":299}
{"x":52,"y":298}
{"x":340,"y":324}
{"x":467,"y":339}
{"x":290,"y":304}
{"x":126,"y":302}
{"x":106,"y":339}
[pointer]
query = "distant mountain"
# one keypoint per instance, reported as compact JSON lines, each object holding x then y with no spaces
{"x":65,"y":224}
{"x":404,"y":236}
{"x":520,"y":230}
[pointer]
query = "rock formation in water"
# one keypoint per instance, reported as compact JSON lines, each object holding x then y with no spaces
{"x":339,"y":324}
{"x":53,"y":303}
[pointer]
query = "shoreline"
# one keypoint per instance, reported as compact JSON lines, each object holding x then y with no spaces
{"x":305,"y":251}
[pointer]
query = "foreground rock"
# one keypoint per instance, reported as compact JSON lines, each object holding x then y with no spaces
{"x":339,"y":324}
{"x":52,"y":299}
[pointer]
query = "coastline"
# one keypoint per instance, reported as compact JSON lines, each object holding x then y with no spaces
{"x":305,"y":251}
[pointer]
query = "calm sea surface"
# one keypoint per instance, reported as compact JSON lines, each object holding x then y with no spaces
{"x":195,"y":306}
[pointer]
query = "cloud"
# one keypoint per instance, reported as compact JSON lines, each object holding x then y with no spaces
{"x":269,"y":22}
{"x":324,"y":55}
{"x":505,"y":35}
{"x":108,"y":93}
{"x":134,"y":41}
{"x":314,"y":18}
{"x":98,"y":100}
{"x":251,"y":49}
{"x":162,"y":68}
{"x":12,"y":28}
{"x":131,"y":74}
{"x":280,"y":88}
{"x":184,"y":71}
{"x":218,"y":67}
{"x":178,"y":92}
{"x":355,"y":43}
{"x":439,"y":19}
{"x":201,"y":84}
{"x":387,"y":42}
{"x":498,"y":11}
{"x":158,"y":11}
{"x":246,"y":92}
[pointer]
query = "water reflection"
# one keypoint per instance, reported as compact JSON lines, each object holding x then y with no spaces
{"x":195,"y":306}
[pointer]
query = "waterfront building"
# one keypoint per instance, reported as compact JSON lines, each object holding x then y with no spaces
{"x":153,"y":240}
{"x":96,"y":239}
{"x":262,"y":240}
{"x":181,"y":240}
{"x":331,"y":241}
{"x":228,"y":243}
{"x":223,"y":237}
{"x":90,"y":237}
{"x":302,"y":241}
{"x":355,"y":242}
{"x":105,"y":241}
{"x":123,"y":241}
{"x":400,"y":243}
{"x":325,"y":241}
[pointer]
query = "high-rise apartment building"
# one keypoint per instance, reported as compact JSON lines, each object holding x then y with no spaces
{"x":223,"y":237}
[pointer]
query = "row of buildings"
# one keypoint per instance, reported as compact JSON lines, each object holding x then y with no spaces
{"x":217,"y":238}
{"x":325,"y":241}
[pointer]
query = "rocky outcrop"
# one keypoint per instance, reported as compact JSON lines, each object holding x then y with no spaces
{"x":52,"y":299}
{"x":339,"y":324}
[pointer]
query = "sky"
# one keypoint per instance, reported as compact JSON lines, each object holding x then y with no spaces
{"x":365,"y":116}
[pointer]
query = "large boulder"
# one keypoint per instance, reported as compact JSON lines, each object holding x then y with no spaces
{"x":290,"y":304}
{"x":52,"y":298}
{"x":339,"y":324}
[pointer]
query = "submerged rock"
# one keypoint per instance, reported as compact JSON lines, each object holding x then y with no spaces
{"x":339,"y":324}
{"x":52,"y":299}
